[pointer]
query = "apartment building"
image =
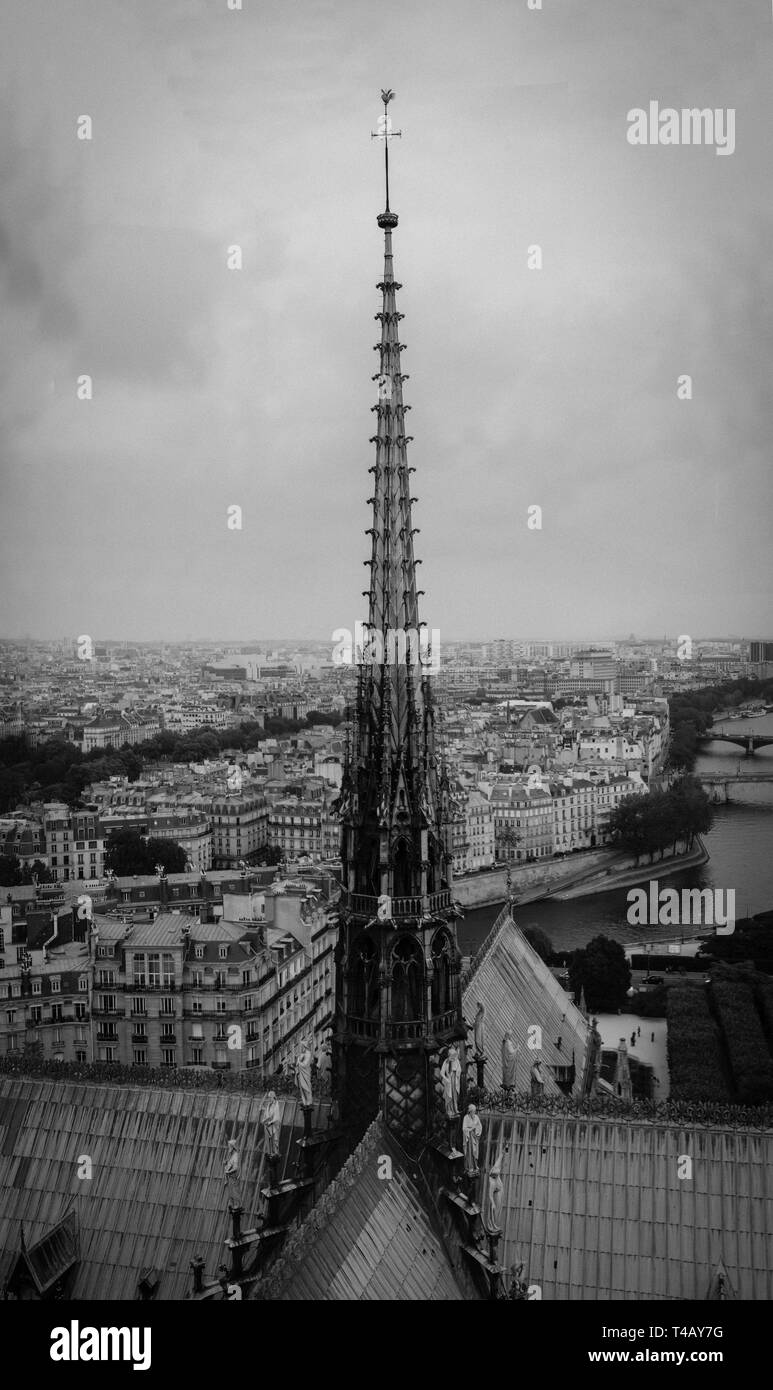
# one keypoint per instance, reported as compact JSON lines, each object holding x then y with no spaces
{"x":45,"y":996}
{"x":74,"y":840}
{"x":523,"y":821}
{"x":481,"y":843}
{"x":300,"y":828}
{"x":239,"y":828}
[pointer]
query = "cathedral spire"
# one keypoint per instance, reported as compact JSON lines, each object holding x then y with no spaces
{"x":398,"y":998}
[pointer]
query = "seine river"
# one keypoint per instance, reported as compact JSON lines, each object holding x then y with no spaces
{"x":740,"y":844}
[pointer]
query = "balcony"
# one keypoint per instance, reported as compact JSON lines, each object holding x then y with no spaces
{"x":104,"y":1037}
{"x":140,"y":1038}
{"x":367,"y":906}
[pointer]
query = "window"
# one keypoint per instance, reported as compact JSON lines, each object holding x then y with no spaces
{"x":198,"y":1006}
{"x":36,"y":986}
{"x":36,"y":1014}
{"x":167,"y":1031}
{"x":154,"y":969}
{"x":107,"y":1054}
{"x":104,"y":977}
{"x":223,"y":952}
{"x":108,"y":1003}
{"x":167,"y":968}
{"x":83,"y":983}
{"x":139,"y":1028}
{"x":197,"y":979}
{"x":56,"y":1013}
{"x":104,"y":951}
{"x":196,"y":1030}
{"x":80,"y":1054}
{"x":221,"y":1006}
{"x":16,"y":991}
{"x":58,"y":1039}
{"x":139,"y":1006}
{"x":80,"y":1010}
{"x":56,"y":984}
{"x":199,"y":952}
{"x":140,"y":1055}
{"x":11,"y":1015}
{"x":197,"y":1056}
{"x":167,"y":1006}
{"x":168,"y":1057}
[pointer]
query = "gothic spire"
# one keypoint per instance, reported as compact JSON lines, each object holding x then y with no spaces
{"x":398,"y":999}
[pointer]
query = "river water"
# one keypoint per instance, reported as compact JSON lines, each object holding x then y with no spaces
{"x":740,"y":844}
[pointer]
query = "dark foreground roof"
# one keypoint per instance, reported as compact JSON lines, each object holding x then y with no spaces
{"x":369,"y":1237}
{"x":596,"y":1209}
{"x":157,"y":1197}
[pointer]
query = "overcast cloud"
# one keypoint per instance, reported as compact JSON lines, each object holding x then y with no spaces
{"x":214,"y":386}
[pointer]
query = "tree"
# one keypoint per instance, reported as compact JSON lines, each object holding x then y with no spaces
{"x":127,"y":852}
{"x":539,"y":942}
{"x":267,"y":854}
{"x":602,"y":971}
{"x":167,"y":853}
{"x":10,"y":871}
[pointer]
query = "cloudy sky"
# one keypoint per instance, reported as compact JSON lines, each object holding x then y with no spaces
{"x":213,"y":387}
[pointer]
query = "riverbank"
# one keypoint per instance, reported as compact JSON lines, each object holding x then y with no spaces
{"x":590,"y":872}
{"x":641,"y":873}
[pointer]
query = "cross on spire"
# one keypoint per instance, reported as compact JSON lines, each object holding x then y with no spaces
{"x":385,"y":133}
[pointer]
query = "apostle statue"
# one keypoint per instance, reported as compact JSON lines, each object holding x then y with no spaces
{"x":492,"y":1211}
{"x":479,"y":1032}
{"x":303,"y":1074}
{"x":231,"y":1171}
{"x":509,"y":1061}
{"x":472,"y":1129}
{"x":537,"y":1079}
{"x":270,"y":1117}
{"x":323,"y":1069}
{"x":451,"y":1077}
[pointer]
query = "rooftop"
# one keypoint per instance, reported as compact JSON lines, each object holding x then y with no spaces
{"x":157,"y":1196}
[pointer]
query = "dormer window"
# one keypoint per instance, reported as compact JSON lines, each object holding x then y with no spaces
{"x":199,"y":952}
{"x":223,"y":953}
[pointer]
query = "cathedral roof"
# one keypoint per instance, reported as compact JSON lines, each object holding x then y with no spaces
{"x":369,"y":1238}
{"x":157,"y":1196}
{"x":519,"y":991}
{"x":596,"y":1208}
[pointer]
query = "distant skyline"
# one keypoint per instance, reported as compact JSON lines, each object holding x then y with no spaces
{"x":215,"y":387}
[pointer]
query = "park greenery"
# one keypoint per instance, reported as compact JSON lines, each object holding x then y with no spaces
{"x":663,"y":819}
{"x":720,"y":1037}
{"x":59,"y":771}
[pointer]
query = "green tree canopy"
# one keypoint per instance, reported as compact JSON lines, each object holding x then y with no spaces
{"x":127,"y":852}
{"x":602,"y":971}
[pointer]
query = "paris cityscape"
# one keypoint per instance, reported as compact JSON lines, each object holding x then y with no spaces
{"x":386,"y":898}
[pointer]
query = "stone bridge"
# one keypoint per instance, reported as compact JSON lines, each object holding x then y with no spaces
{"x":749,"y":742}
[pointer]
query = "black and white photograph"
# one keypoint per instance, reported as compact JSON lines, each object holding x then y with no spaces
{"x":386,"y":669}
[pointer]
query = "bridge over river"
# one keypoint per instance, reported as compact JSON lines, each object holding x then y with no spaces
{"x":749,"y":742}
{"x":718,"y":784}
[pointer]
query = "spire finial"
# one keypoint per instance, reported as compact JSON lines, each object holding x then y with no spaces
{"x":386,"y":133}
